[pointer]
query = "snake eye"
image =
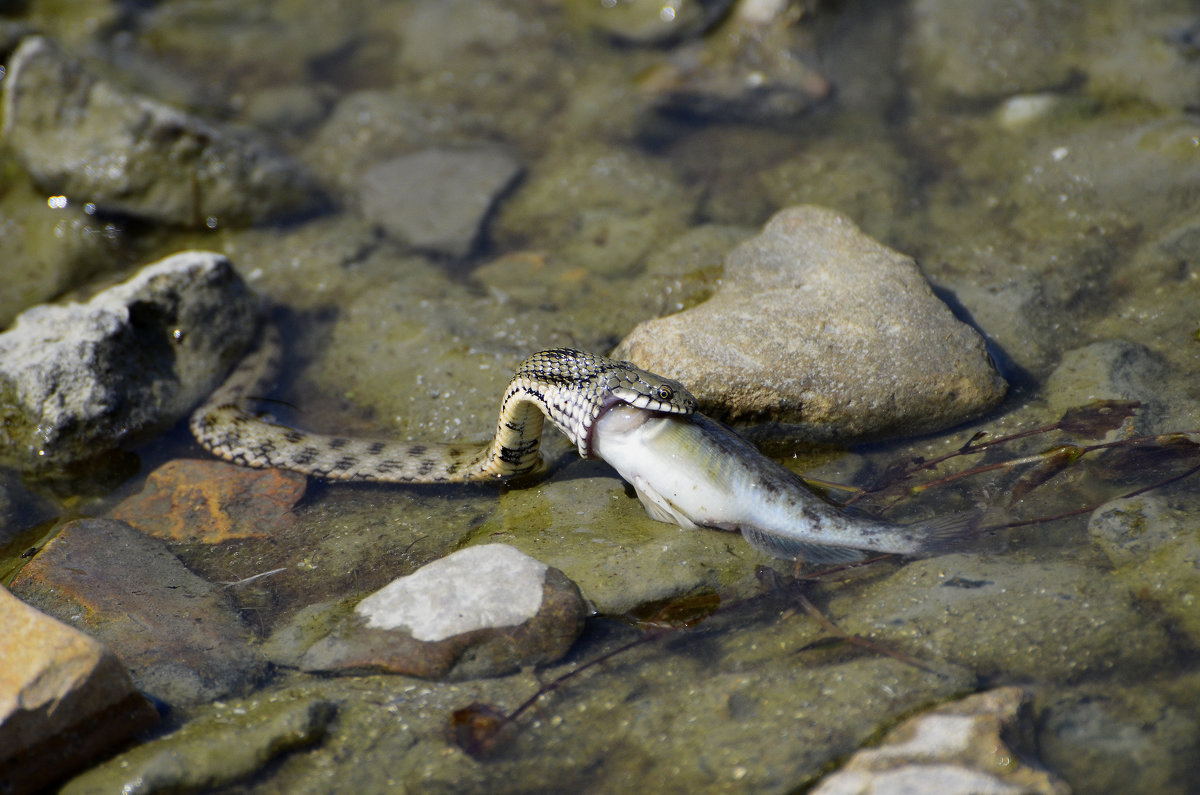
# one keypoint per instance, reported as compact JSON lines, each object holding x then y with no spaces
{"x":664,"y":393}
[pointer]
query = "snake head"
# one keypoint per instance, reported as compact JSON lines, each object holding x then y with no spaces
{"x":628,"y":385}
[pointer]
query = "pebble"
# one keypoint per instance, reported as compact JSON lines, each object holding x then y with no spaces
{"x":1109,"y":370}
{"x":77,"y":380}
{"x":180,"y":636}
{"x":482,"y":611}
{"x":438,"y":199}
{"x":961,"y":748}
{"x":83,"y":137}
{"x":819,"y":327}
{"x":212,"y":501}
{"x":65,"y":700}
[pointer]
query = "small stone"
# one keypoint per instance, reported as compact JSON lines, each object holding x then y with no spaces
{"x":179,"y":635}
{"x":1109,"y":370}
{"x":78,"y":380}
{"x":437,"y":200}
{"x":962,"y":747}
{"x":819,"y":327}
{"x":65,"y":700}
{"x":83,"y":137}
{"x":228,"y":743}
{"x":212,"y":501}
{"x":483,"y":611}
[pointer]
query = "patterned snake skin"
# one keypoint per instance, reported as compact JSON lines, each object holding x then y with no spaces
{"x":570,"y":387}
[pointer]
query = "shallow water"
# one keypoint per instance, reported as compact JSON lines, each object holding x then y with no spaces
{"x":1075,"y":225}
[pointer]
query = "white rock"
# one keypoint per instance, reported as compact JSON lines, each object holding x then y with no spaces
{"x":483,"y":587}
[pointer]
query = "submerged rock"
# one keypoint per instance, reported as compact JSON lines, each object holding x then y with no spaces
{"x":77,"y":380}
{"x":962,"y":747}
{"x":1155,"y":552}
{"x":1049,"y":621}
{"x":179,"y":635}
{"x":437,"y":200}
{"x":820,"y":327}
{"x":81,"y":136}
{"x":65,"y":700}
{"x":482,"y":611}
{"x":230,"y":742}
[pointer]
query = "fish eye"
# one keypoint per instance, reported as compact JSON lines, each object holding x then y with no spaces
{"x":664,"y":393}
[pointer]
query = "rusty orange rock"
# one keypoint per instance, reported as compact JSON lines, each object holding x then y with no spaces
{"x":212,"y":501}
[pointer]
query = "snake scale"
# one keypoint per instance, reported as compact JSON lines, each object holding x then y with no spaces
{"x":571,"y":387}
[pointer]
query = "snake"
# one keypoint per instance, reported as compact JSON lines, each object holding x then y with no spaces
{"x":572,"y":388}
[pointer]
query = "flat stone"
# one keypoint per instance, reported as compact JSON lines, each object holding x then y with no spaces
{"x":437,"y":200}
{"x":962,"y":747}
{"x":179,"y":635}
{"x":482,"y":611}
{"x":83,"y":137}
{"x":212,"y":501}
{"x":65,"y":700}
{"x":822,"y":329}
{"x":77,"y":380}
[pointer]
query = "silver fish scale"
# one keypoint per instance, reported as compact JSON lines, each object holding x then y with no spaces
{"x":573,"y":388}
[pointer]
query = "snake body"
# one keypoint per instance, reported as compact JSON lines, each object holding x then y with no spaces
{"x":573,"y":388}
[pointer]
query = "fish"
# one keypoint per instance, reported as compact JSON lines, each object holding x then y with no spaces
{"x":695,"y":472}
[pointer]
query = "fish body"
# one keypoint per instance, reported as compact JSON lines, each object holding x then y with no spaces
{"x":696,"y":472}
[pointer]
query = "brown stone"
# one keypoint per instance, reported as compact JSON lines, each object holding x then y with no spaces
{"x":179,"y":635}
{"x":65,"y":700}
{"x":212,"y":501}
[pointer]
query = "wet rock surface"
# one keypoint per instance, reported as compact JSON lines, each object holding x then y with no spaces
{"x":217,"y":749}
{"x":77,"y":380}
{"x":1053,"y":620}
{"x":211,"y":502}
{"x":132,"y":155}
{"x":1155,"y":551}
{"x":65,"y":700}
{"x":437,"y":200}
{"x":179,"y":635}
{"x":818,"y":326}
{"x":482,"y":611}
{"x":960,"y":747}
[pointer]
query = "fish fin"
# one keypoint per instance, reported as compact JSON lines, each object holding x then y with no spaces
{"x":782,"y":547}
{"x":953,"y":532}
{"x":659,"y":508}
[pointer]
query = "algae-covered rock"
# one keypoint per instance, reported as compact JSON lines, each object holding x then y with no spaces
{"x":819,"y":327}
{"x":1155,"y":549}
{"x":77,"y":380}
{"x":85,"y":138}
{"x":228,"y":742}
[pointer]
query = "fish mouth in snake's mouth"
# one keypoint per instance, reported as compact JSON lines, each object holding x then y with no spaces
{"x":618,"y":416}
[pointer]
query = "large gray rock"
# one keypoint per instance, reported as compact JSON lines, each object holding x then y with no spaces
{"x":820,"y":327}
{"x":482,"y":611}
{"x":77,"y":380}
{"x":64,"y":699}
{"x":83,"y":137}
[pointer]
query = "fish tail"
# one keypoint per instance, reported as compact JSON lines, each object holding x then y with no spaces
{"x":942,"y":535}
